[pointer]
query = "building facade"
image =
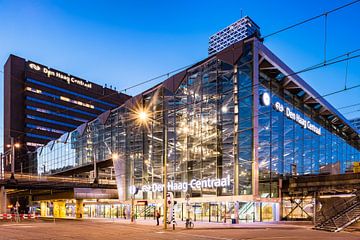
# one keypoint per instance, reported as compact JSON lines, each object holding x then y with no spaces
{"x":227,"y":130}
{"x":41,"y":104}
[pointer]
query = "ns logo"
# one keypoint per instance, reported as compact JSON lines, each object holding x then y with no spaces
{"x":34,"y":66}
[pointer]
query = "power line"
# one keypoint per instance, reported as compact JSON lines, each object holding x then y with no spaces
{"x":349,"y":106}
{"x":358,"y":110}
{"x":311,"y":19}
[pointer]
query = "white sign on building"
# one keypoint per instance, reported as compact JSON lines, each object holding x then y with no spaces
{"x":184,"y":186}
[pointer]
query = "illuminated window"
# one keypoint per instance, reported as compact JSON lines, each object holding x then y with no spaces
{"x":44,"y":128}
{"x":56,"y":114}
{"x":33,"y":90}
{"x":32,"y":144}
{"x":60,"y":106}
{"x":70,"y":92}
{"x":79,"y":103}
{"x":50,"y":121}
{"x":66,"y":99}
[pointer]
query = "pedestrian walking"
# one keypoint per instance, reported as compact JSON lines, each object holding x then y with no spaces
{"x":157,"y":214}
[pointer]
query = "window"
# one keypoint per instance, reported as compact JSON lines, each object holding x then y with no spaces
{"x":56,"y":114}
{"x":32,"y":126}
{"x":50,"y":121}
{"x":70,"y":92}
{"x":65,"y":99}
{"x":60,"y":106}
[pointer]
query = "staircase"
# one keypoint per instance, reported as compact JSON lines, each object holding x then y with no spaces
{"x":148,"y":211}
{"x":340,"y":215}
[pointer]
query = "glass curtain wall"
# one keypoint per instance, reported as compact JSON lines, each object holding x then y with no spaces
{"x":286,"y":148}
{"x":208,"y":121}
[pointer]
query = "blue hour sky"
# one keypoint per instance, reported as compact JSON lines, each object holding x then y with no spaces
{"x":121,"y":43}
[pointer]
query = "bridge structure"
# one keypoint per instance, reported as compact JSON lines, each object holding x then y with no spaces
{"x":28,"y":188}
{"x":335,"y":199}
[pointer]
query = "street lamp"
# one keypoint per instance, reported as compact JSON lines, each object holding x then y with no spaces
{"x":11,"y":152}
{"x":143,"y":116}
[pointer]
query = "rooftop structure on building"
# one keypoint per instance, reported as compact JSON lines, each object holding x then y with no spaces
{"x":239,"y":30}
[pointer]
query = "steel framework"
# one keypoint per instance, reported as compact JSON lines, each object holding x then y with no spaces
{"x":233,"y":33}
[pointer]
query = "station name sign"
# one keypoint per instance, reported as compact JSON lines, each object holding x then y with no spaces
{"x":184,"y":186}
{"x":306,"y":124}
{"x":53,"y":73}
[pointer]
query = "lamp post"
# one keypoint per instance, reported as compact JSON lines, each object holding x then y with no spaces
{"x":11,"y":152}
{"x":1,"y":166}
{"x":165,"y":176}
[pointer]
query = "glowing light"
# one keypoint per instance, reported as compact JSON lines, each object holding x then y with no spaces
{"x":17,"y":145}
{"x":143,"y":116}
{"x":224,"y":109}
{"x":115,"y":156}
{"x":186,"y":129}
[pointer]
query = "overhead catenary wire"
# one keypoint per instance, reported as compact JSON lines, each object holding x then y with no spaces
{"x":349,"y":106}
{"x":311,"y":19}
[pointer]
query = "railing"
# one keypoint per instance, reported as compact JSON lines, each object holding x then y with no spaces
{"x":340,"y":215}
{"x":146,"y":212}
{"x":46,"y":179}
{"x":337,"y":206}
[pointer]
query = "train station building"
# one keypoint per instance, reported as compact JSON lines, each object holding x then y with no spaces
{"x":228,"y":130}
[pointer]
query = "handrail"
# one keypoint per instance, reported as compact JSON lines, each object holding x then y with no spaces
{"x":45,"y":179}
{"x":340,"y":212}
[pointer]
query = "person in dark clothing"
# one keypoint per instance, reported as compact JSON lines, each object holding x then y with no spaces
{"x":157,"y":215}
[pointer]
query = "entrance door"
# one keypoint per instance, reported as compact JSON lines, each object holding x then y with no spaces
{"x":214,"y":212}
{"x":197,"y":212}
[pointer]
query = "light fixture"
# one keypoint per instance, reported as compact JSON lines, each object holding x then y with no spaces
{"x":143,"y":116}
{"x":265,"y":99}
{"x":115,"y":156}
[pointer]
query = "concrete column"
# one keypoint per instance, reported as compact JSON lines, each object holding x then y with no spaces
{"x":59,"y":209}
{"x":236,"y":211}
{"x":276,"y":212}
{"x":315,"y":207}
{"x":43,"y":209}
{"x":120,"y":176}
{"x":3,"y":202}
{"x":79,"y":208}
{"x":258,"y":212}
{"x":255,"y":121}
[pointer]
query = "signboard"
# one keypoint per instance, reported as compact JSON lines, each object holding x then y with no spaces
{"x":306,"y":124}
{"x":62,"y":76}
{"x":184,"y":186}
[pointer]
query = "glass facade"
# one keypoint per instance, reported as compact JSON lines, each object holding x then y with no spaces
{"x":213,"y":126}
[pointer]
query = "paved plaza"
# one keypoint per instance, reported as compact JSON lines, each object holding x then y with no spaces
{"x":111,"y":230}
